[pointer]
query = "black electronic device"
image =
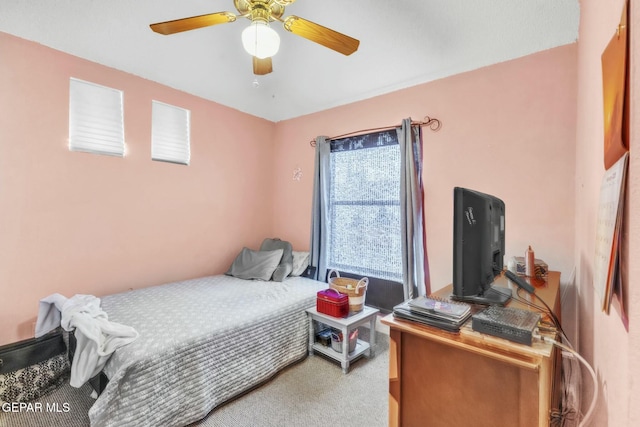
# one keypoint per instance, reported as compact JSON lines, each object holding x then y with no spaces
{"x":513,"y":324}
{"x":478,"y":247}
{"x":520,"y":281}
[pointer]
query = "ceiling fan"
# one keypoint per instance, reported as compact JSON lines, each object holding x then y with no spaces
{"x":258,"y":39}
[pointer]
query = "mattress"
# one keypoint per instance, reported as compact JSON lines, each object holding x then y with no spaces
{"x":202,"y":342}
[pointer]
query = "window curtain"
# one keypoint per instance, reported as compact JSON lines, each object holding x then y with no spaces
{"x":320,"y":209}
{"x":415,"y":266}
{"x":414,"y":254}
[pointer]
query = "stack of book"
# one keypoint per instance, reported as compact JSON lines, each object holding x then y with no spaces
{"x":444,"y":314}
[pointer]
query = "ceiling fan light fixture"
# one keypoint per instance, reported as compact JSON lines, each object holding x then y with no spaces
{"x":260,"y":40}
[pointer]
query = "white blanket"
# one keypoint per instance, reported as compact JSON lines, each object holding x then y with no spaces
{"x":96,"y":337}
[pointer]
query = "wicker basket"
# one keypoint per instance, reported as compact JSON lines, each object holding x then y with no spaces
{"x":354,"y":288}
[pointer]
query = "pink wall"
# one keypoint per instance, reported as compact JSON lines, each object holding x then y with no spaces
{"x":508,"y":130}
{"x":80,"y":223}
{"x":614,"y":352}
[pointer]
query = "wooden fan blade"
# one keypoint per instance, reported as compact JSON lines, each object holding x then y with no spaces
{"x":262,"y":66}
{"x":322,"y":35}
{"x":186,"y":24}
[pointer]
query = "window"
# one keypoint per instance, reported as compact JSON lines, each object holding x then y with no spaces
{"x":364,"y":206}
{"x":170,"y":140}
{"x":96,"y":123}
{"x":368,"y":213}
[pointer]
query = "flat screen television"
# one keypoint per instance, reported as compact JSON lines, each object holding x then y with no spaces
{"x":478,"y":247}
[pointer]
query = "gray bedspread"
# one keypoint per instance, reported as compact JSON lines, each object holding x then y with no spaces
{"x":202,"y":342}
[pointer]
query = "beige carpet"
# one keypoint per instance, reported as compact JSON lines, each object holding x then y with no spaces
{"x":313,"y":392}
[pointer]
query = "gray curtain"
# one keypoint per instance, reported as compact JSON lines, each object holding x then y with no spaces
{"x":414,"y":257}
{"x":320,"y":208}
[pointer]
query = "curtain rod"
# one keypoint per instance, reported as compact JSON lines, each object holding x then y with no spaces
{"x":434,"y":125}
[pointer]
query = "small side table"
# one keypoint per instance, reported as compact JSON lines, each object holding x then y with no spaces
{"x":345,"y":325}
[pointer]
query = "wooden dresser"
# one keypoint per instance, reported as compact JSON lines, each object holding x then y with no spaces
{"x":438,"y":378}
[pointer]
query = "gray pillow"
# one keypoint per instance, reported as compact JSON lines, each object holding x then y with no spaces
{"x":286,"y":263}
{"x":255,"y":264}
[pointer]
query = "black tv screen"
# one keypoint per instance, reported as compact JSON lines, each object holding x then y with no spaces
{"x":478,"y":246}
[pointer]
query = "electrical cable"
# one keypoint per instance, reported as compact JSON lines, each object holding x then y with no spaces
{"x":594,"y":398}
{"x":568,"y":415}
{"x":557,"y":416}
{"x":547,"y":310}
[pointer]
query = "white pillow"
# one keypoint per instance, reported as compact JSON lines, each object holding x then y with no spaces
{"x":300,"y":262}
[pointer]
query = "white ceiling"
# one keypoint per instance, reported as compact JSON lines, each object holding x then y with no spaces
{"x":402,"y":43}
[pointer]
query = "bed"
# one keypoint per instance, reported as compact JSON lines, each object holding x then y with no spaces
{"x":201,"y":342}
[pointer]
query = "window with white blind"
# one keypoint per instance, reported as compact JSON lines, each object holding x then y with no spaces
{"x":170,"y":130}
{"x":96,"y":119}
{"x":364,"y":224}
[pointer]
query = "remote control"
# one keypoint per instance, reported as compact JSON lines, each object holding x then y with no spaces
{"x":520,"y":282}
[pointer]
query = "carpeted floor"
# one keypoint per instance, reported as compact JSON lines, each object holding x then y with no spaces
{"x":313,"y":392}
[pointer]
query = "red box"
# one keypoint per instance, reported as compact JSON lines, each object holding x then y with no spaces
{"x":333,"y":303}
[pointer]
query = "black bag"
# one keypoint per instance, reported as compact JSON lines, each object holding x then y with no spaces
{"x":48,"y":370}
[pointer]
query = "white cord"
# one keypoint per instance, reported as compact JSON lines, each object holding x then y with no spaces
{"x":594,"y":398}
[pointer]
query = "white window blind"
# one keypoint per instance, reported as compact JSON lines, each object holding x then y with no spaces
{"x":364,"y":223}
{"x":170,"y":140}
{"x":96,"y":122}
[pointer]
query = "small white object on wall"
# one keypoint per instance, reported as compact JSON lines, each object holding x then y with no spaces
{"x":297,"y":174}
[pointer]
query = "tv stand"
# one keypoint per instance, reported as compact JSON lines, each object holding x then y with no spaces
{"x":495,"y":295}
{"x":441,"y":379}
